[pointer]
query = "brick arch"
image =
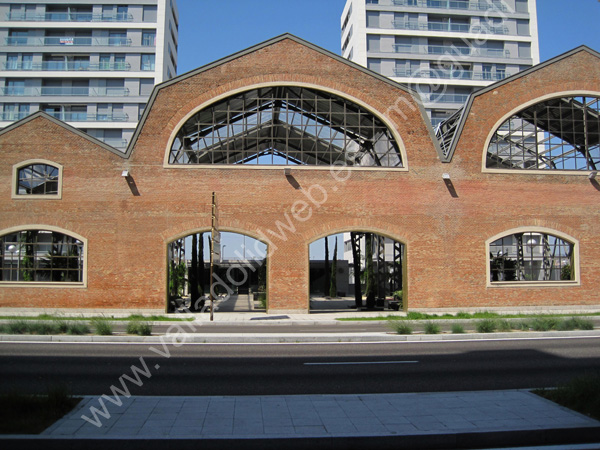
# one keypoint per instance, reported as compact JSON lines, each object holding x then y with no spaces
{"x":360,"y":226}
{"x":379,"y":110}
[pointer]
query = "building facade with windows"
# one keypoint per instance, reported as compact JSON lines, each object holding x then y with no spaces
{"x":444,"y":49}
{"x":288,"y":143}
{"x":90,"y":63}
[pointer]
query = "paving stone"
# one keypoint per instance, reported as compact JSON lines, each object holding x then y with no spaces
{"x":323,"y":415}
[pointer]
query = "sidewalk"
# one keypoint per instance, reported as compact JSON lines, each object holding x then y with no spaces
{"x":315,"y":316}
{"x":399,"y":421}
{"x":249,"y":327}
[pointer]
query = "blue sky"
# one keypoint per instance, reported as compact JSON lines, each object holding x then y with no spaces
{"x":213,"y":29}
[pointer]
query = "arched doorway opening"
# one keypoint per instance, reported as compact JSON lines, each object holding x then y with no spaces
{"x":239,"y":273}
{"x":357,"y":270}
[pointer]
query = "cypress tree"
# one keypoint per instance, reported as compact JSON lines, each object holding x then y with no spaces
{"x":356,"y":265}
{"x":193,"y":273}
{"x":333,"y":287}
{"x":370,"y":274}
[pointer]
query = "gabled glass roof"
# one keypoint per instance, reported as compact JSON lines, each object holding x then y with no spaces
{"x":285,"y":125}
{"x":557,"y":134}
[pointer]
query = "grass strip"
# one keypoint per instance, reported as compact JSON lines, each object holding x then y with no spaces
{"x":461,"y":315}
{"x":152,"y":318}
{"x":32,"y":414}
{"x":581,"y":394}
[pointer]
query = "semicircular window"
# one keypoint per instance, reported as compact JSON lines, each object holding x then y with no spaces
{"x":38,"y":179}
{"x":42,"y":256}
{"x":531,"y":256}
{"x":557,"y":134}
{"x":285,"y":125}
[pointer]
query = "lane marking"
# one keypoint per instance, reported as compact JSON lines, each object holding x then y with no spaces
{"x":341,"y":363}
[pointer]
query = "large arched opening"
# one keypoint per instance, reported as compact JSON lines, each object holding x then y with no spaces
{"x":237,"y":279}
{"x":357,"y":270}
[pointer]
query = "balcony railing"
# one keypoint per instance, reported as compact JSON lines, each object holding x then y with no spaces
{"x":70,"y":66}
{"x":452,"y":74}
{"x":68,"y":116}
{"x":115,"y":142}
{"x":10,"y":116}
{"x":451,"y":50}
{"x":447,"y":26}
{"x":68,"y":41}
{"x":483,"y":5}
{"x":68,"y":17}
{"x":19,"y":91}
{"x":444,"y":98}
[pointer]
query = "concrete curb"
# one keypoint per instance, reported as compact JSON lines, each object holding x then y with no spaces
{"x":475,"y":440}
{"x":291,"y":338}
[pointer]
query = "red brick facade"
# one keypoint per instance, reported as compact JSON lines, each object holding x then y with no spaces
{"x":127,"y":228}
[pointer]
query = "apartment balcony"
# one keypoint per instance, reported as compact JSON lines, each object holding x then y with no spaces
{"x":451,"y":50}
{"x":18,"y":91}
{"x":73,"y":66}
{"x":68,"y":41}
{"x":444,"y":98}
{"x":453,"y":4}
{"x":449,"y":27}
{"x":67,"y":116}
{"x":452,"y":75}
{"x":68,"y":17}
{"x":12,"y":116}
{"x":114,"y":142}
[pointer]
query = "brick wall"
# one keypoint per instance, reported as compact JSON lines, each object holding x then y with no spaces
{"x":444,"y":235}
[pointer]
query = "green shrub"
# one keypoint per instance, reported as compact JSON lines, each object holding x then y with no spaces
{"x":61,"y":325}
{"x":78,"y":328}
{"x":457,"y":328}
{"x":463,"y":315}
{"x":262,"y":299}
{"x":400,"y":326}
{"x":504,"y":325}
{"x":102,"y":326}
{"x":485,"y":326}
{"x":567,"y":324}
{"x":584,"y":324}
{"x":544,"y":323}
{"x":139,"y":327}
{"x":522,"y":325}
{"x":575,"y":323}
{"x":18,"y":327}
{"x":432,"y":328}
{"x":43,"y":328}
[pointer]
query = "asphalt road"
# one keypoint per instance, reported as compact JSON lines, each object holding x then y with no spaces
{"x":208,"y":369}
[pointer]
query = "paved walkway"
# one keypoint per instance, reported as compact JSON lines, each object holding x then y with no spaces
{"x":315,"y":316}
{"x":301,"y":416}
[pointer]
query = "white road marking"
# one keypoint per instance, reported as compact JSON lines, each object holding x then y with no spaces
{"x":343,"y":363}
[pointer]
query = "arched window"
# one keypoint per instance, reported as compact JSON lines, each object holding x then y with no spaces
{"x":285,"y":125}
{"x":37,"y":178}
{"x":531,"y":256}
{"x":556,"y":134}
{"x":37,"y":255}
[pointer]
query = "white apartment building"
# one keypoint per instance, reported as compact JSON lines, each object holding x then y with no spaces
{"x":444,"y":49}
{"x":90,"y":63}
